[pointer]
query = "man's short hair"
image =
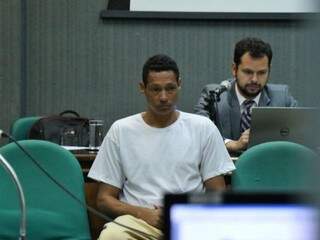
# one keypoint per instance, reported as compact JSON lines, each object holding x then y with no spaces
{"x":255,"y":47}
{"x":159,"y":63}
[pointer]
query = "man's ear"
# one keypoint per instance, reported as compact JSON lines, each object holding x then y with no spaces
{"x":269,"y":70}
{"x":234,"y":69}
{"x":179,"y":83}
{"x":142,"y":87}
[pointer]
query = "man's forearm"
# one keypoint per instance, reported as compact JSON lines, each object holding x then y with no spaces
{"x":115,"y":207}
{"x":231,"y":146}
{"x":234,"y":146}
{"x":215,"y":183}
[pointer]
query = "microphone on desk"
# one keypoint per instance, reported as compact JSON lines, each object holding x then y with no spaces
{"x":214,"y":98}
{"x":224,"y":86}
{"x":90,"y":209}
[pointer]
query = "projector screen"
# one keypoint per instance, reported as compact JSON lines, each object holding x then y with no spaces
{"x":249,"y":6}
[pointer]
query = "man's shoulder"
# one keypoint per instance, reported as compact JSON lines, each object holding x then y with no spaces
{"x":122,"y":122}
{"x":194,"y":118}
{"x":279,"y":95}
{"x":272,"y":87}
{"x":191,"y":116}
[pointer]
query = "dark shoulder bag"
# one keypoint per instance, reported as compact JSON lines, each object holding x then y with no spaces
{"x":67,"y":128}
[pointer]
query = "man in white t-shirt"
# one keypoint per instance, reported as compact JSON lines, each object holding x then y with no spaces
{"x":161,"y":150}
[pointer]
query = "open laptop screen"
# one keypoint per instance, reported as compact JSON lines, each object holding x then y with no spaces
{"x":298,"y":125}
{"x":243,"y":218}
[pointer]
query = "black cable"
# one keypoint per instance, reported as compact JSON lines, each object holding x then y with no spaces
{"x":90,"y":209}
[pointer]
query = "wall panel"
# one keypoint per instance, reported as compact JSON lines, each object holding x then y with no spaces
{"x":77,"y":61}
{"x":10,"y":67}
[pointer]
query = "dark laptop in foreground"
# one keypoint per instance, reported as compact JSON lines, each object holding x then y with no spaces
{"x":300,"y":125}
{"x":226,"y":216}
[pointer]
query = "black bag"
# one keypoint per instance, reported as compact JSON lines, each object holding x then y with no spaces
{"x":62,"y":129}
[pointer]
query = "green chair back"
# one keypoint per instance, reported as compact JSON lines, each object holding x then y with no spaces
{"x":276,"y":166}
{"x":21,"y":127}
{"x":51,"y":213}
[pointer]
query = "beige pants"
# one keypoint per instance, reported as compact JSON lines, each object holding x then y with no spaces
{"x":112,"y":231}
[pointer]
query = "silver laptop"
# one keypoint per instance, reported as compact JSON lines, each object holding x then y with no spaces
{"x":300,"y":125}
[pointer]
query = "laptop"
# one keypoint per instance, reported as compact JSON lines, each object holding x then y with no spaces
{"x":300,"y":125}
{"x":241,"y":216}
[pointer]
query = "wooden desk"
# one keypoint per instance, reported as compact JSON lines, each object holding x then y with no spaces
{"x":86,"y":159}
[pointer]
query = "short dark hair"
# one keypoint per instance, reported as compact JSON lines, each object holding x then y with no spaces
{"x":159,"y":63}
{"x":255,"y":47}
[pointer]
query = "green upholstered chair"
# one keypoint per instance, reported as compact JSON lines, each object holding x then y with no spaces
{"x":51,"y":213}
{"x":21,"y":127}
{"x":277,"y":166}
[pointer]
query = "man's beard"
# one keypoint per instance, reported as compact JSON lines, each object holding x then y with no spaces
{"x":245,"y":91}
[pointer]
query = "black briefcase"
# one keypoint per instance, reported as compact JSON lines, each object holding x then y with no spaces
{"x":67,"y":128}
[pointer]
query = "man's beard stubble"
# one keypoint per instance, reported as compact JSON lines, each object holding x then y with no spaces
{"x":245,"y":92}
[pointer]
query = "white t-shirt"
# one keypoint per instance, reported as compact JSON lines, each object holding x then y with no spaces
{"x":146,"y":162}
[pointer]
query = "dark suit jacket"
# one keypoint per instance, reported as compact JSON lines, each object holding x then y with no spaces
{"x":276,"y":95}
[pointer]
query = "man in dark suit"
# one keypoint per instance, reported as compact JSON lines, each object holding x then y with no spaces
{"x":250,"y":69}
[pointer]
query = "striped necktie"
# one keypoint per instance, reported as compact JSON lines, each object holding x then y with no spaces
{"x":246,"y":115}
